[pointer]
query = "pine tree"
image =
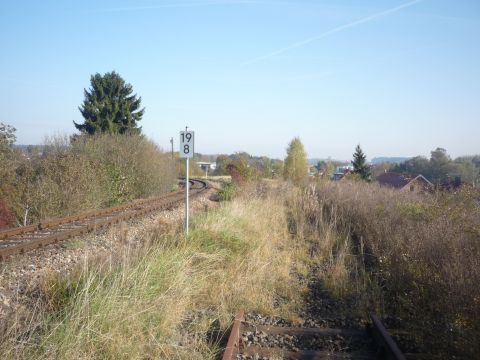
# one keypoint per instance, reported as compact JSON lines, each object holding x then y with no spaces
{"x":360,"y":165}
{"x":110,"y":107}
{"x":296,"y":165}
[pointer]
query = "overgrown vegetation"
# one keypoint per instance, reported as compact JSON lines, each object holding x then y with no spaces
{"x":251,"y":167}
{"x":410,"y":256}
{"x":87,"y":173}
{"x":7,"y":167}
{"x":175,"y":298}
{"x":228,"y":191}
{"x":414,"y":257}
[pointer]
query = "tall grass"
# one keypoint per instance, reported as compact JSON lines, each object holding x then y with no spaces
{"x":415,"y":257}
{"x":88,"y":173}
{"x":173,"y":299}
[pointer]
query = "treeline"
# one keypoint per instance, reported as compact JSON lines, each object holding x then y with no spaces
{"x":441,"y":168}
{"x":248,"y":166}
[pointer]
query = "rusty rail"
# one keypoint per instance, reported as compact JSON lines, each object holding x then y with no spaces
{"x":45,"y":224}
{"x":388,"y":347}
{"x":55,"y":230}
{"x":383,"y":338}
{"x":233,"y":343}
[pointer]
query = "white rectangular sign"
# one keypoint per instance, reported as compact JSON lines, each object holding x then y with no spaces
{"x":187,"y":139}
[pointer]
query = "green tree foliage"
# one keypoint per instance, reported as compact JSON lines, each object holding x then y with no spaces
{"x":7,"y":136}
{"x":360,"y":166}
{"x":269,"y":168}
{"x":222,"y":161}
{"x":469,"y":168}
{"x":8,"y":158}
{"x":325,"y":169}
{"x":277,"y":168}
{"x":321,"y":164}
{"x":193,"y":168}
{"x":441,"y":168}
{"x":240,"y":171}
{"x":440,"y":164}
{"x":381,"y":168}
{"x":242,"y":156}
{"x":296,"y":164}
{"x":110,"y":106}
{"x":8,"y":162}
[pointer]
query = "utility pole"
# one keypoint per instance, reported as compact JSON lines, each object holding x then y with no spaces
{"x":171,"y":143}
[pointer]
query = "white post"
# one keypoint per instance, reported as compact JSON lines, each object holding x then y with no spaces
{"x":187,"y":188}
{"x":187,"y":149}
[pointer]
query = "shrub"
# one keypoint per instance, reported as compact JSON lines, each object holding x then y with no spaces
{"x":227,"y":192}
{"x":88,"y":173}
{"x":421,"y":250}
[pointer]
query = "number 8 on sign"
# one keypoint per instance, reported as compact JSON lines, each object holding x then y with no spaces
{"x":187,"y":144}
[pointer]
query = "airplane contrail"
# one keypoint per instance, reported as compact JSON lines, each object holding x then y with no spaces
{"x":331,"y":32}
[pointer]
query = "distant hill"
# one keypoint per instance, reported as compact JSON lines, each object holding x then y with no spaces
{"x":385,"y":159}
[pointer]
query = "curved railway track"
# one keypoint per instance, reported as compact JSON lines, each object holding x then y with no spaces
{"x":22,"y":239}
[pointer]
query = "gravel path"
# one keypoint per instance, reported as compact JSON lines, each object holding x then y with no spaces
{"x":20,"y":275}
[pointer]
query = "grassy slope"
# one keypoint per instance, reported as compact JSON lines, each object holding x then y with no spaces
{"x":176,"y":297}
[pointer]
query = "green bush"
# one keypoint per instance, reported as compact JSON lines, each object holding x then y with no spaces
{"x":227,"y":192}
{"x":89,"y":172}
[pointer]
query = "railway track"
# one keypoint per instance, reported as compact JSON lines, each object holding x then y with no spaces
{"x":252,"y":341}
{"x":22,"y":239}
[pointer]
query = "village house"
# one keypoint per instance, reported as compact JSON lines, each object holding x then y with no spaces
{"x":341,"y":171}
{"x":405,"y":182}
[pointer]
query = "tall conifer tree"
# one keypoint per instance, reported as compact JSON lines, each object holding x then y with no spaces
{"x":360,"y":165}
{"x":110,"y":106}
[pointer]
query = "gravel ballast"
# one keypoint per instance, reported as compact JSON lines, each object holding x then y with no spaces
{"x":20,"y":275}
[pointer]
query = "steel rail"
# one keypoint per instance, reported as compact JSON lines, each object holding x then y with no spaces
{"x":23,"y":239}
{"x":235,"y":346}
{"x":390,"y":348}
{"x":233,"y":343}
{"x":45,"y":224}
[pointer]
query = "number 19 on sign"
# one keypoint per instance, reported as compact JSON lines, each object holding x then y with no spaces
{"x":187,"y":141}
{"x":186,"y":144}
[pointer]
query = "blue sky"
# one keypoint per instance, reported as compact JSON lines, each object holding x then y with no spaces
{"x":399,"y":77}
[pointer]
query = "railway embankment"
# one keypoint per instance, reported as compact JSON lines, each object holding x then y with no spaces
{"x":290,"y":258}
{"x":173,"y":298}
{"x":23,"y":276}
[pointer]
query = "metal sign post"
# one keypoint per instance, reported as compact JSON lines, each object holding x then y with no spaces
{"x":187,"y":141}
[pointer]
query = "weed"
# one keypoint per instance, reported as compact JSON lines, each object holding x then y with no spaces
{"x":175,"y":298}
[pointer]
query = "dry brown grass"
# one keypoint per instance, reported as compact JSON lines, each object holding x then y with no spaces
{"x":415,"y":256}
